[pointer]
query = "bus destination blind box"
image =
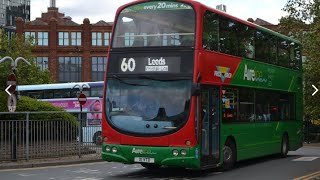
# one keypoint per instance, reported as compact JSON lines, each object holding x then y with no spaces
{"x":138,"y":65}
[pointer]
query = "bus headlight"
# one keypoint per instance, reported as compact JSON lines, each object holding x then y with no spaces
{"x":183,"y":152}
{"x":114,"y":150}
{"x":175,"y":152}
{"x":108,"y":149}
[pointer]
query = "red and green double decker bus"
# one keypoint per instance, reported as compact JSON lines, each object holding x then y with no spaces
{"x":190,"y":86}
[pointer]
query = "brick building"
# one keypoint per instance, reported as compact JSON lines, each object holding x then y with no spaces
{"x":264,"y":23}
{"x":72,"y":52}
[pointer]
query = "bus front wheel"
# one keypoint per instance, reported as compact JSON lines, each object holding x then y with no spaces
{"x":284,"y":145}
{"x":229,"y":155}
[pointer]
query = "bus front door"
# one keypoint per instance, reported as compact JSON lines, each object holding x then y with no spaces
{"x":210,"y":134}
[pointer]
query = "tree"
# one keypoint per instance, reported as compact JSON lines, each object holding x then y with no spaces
{"x":19,"y":47}
{"x":303,"y":23}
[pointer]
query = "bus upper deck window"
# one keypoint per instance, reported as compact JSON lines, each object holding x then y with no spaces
{"x":139,"y":26}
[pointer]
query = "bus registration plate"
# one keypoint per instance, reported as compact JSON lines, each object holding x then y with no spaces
{"x":144,"y":159}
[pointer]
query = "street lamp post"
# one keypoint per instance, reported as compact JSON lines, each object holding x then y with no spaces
{"x":80,"y":88}
{"x":80,"y":115}
{"x":14,"y":64}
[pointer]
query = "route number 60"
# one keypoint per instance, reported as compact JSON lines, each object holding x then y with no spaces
{"x":130,"y":65}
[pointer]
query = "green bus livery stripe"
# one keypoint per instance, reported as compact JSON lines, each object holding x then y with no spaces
{"x":260,"y":75}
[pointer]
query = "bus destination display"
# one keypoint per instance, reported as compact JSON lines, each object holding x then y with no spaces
{"x":149,"y":65}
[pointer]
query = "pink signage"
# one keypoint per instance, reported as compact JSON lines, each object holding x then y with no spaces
{"x":92,"y":106}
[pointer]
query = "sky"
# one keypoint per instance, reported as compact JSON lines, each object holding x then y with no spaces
{"x":96,"y":10}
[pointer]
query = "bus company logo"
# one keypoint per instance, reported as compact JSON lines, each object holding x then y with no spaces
{"x":253,"y":75}
{"x":223,"y":73}
{"x":142,"y":151}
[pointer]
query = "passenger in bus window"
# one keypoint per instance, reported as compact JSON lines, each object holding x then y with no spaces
{"x":249,"y":49}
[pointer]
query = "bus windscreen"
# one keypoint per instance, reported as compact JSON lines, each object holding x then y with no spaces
{"x":160,"y":23}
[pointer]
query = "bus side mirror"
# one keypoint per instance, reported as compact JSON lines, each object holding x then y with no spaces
{"x":195,"y":89}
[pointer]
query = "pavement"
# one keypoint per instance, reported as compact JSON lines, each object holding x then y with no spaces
{"x":312,"y":144}
{"x":70,"y":160}
{"x":49,"y":162}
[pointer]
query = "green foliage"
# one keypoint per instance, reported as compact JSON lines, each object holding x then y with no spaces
{"x":19,"y":47}
{"x":3,"y":101}
{"x":303,"y":23}
{"x":303,"y":10}
{"x":29,"y":104}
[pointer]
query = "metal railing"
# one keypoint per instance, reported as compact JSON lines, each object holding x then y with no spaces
{"x":32,"y":135}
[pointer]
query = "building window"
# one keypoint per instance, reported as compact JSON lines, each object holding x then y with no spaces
{"x":70,"y":69}
{"x":76,"y":38}
{"x":96,"y":39}
{"x":43,"y":38}
{"x":175,"y":40}
{"x":128,"y":39}
{"x":165,"y":40}
{"x":30,"y":35}
{"x":106,"y":38}
{"x":42,"y":63}
{"x":63,"y":39}
{"x":145,"y":39}
{"x":98,"y":68}
{"x":10,"y":34}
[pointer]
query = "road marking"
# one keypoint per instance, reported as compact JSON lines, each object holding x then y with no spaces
{"x":51,"y":167}
{"x":85,"y":178}
{"x":305,"y":159}
{"x":86,"y":171}
{"x":26,"y":175}
{"x":215,"y":173}
{"x":309,"y":176}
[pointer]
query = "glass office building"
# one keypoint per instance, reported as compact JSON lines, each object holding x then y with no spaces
{"x":10,"y":9}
